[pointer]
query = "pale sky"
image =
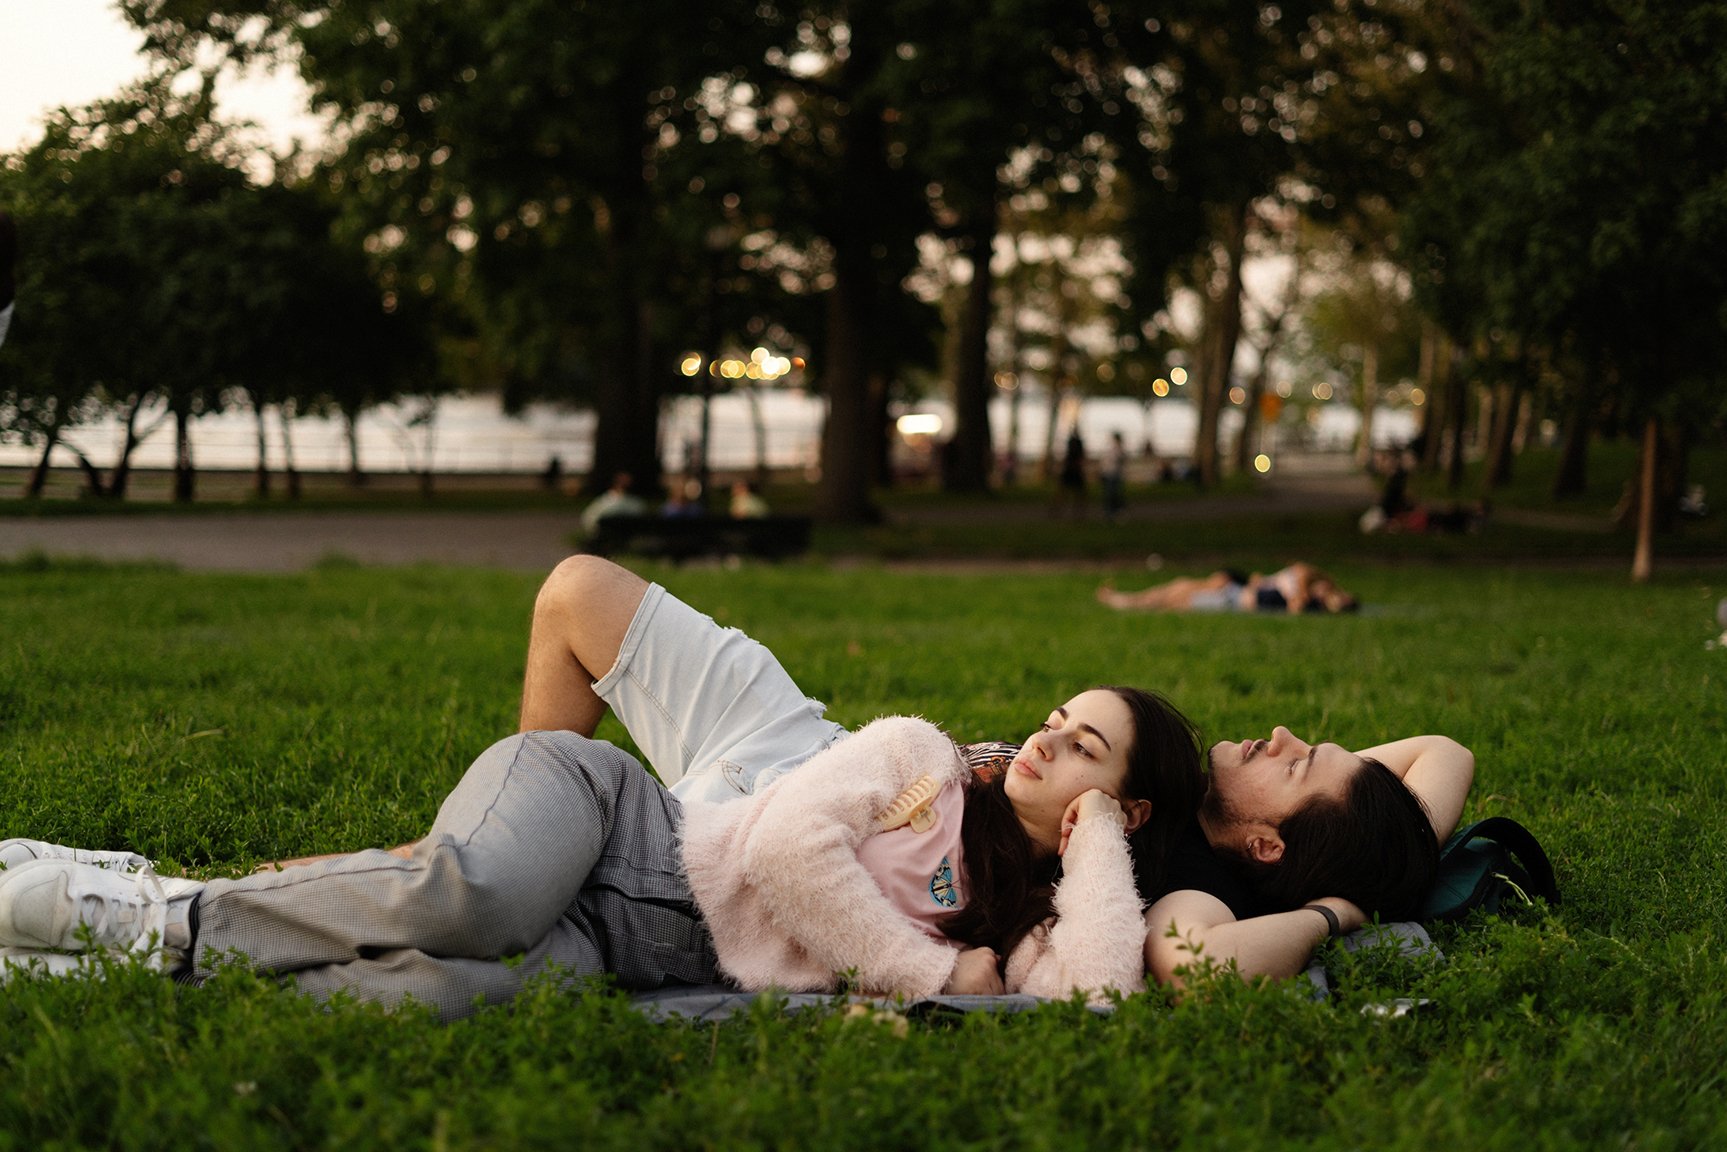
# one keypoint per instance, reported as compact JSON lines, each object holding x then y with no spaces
{"x":70,"y":52}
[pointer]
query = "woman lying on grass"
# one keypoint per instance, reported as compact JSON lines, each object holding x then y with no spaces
{"x":1294,"y":589}
{"x":883,"y":854}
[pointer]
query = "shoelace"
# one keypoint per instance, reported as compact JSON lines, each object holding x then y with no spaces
{"x":111,"y":914}
{"x":155,"y":910}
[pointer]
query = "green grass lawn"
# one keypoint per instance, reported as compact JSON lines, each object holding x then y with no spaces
{"x":213,"y":721}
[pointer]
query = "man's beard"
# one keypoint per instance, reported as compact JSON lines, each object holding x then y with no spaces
{"x":1215,"y":810}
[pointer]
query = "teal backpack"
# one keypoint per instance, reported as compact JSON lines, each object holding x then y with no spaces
{"x":1483,"y":864}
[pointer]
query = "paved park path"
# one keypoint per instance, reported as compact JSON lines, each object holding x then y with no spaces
{"x":291,"y":541}
{"x":529,"y":541}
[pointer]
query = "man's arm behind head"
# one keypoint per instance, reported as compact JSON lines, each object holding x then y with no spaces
{"x":1437,"y":769}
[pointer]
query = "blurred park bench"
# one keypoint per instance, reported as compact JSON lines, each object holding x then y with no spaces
{"x":684,"y":538}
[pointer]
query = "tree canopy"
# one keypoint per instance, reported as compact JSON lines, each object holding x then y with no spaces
{"x":575,"y":196}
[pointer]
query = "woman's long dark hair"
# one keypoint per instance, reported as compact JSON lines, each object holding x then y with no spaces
{"x":1010,"y":888}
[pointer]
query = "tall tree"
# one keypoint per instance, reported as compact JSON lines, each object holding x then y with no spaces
{"x":529,"y":137}
{"x":840,"y":191}
{"x":1364,"y":326}
{"x":317,"y":331}
{"x":1576,"y":198}
{"x":126,"y":204}
{"x":1226,"y":93}
{"x":1019,"y":101}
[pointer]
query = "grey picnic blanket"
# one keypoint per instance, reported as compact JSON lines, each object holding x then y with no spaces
{"x":721,"y":1002}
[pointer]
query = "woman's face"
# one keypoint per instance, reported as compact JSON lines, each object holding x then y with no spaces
{"x":1083,"y":745}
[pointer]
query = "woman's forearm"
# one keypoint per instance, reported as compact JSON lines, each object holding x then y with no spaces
{"x":1094,"y":943}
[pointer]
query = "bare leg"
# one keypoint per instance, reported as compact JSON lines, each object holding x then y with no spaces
{"x":1174,"y":596}
{"x":581,"y":616}
{"x":582,"y":613}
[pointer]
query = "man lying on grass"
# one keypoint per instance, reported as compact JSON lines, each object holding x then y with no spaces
{"x":888,"y":853}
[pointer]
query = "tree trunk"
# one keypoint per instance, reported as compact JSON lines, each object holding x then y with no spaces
{"x":1672,"y":473}
{"x":1254,"y":411}
{"x":431,"y":424}
{"x":1010,"y":457}
{"x":289,"y":470}
{"x":38,"y":478}
{"x":92,"y":475}
{"x":1058,"y":354}
{"x":121,"y":478}
{"x":1457,"y":400}
{"x":351,"y":433}
{"x":1250,"y":413}
{"x":844,"y":494}
{"x":759,"y":432}
{"x":185,"y":474}
{"x":1572,"y":477}
{"x":261,"y":478}
{"x":1487,"y":407}
{"x":1524,"y":422}
{"x":626,"y":408}
{"x":1222,"y":331}
{"x":879,"y":427}
{"x":1369,"y":401}
{"x":1508,"y":400}
{"x":627,"y":402}
{"x":1052,"y":465}
{"x":1643,"y":560}
{"x":1613,"y":417}
{"x":966,"y":466}
{"x":848,"y":440}
{"x":1432,"y":412}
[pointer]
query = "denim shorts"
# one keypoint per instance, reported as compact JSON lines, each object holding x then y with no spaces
{"x":711,"y":709}
{"x":1224,"y":599}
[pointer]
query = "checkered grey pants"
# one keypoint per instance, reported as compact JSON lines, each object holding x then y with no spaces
{"x":554,"y":848}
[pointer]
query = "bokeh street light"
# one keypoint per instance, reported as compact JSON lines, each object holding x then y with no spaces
{"x":760,"y":365}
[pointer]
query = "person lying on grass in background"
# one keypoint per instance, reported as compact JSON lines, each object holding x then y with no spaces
{"x":719,"y":718}
{"x":882,"y":854}
{"x":1297,"y":588}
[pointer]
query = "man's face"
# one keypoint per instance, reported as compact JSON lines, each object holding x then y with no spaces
{"x":1262,"y":781}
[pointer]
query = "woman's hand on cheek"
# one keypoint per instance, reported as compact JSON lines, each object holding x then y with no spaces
{"x":977,"y":972}
{"x":1090,"y":803}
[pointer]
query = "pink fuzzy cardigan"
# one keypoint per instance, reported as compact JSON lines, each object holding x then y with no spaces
{"x":778,"y":880}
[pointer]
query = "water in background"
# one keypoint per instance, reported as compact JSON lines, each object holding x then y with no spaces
{"x":473,"y":434}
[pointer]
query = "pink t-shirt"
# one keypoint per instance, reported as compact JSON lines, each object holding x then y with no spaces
{"x":920,"y":871}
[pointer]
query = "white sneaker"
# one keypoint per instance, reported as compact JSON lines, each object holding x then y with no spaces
{"x":67,"y":905}
{"x":20,"y":962}
{"x":21,"y":851}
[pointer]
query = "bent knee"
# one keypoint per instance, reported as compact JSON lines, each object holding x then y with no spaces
{"x":575,"y":579}
{"x":591,"y":585}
